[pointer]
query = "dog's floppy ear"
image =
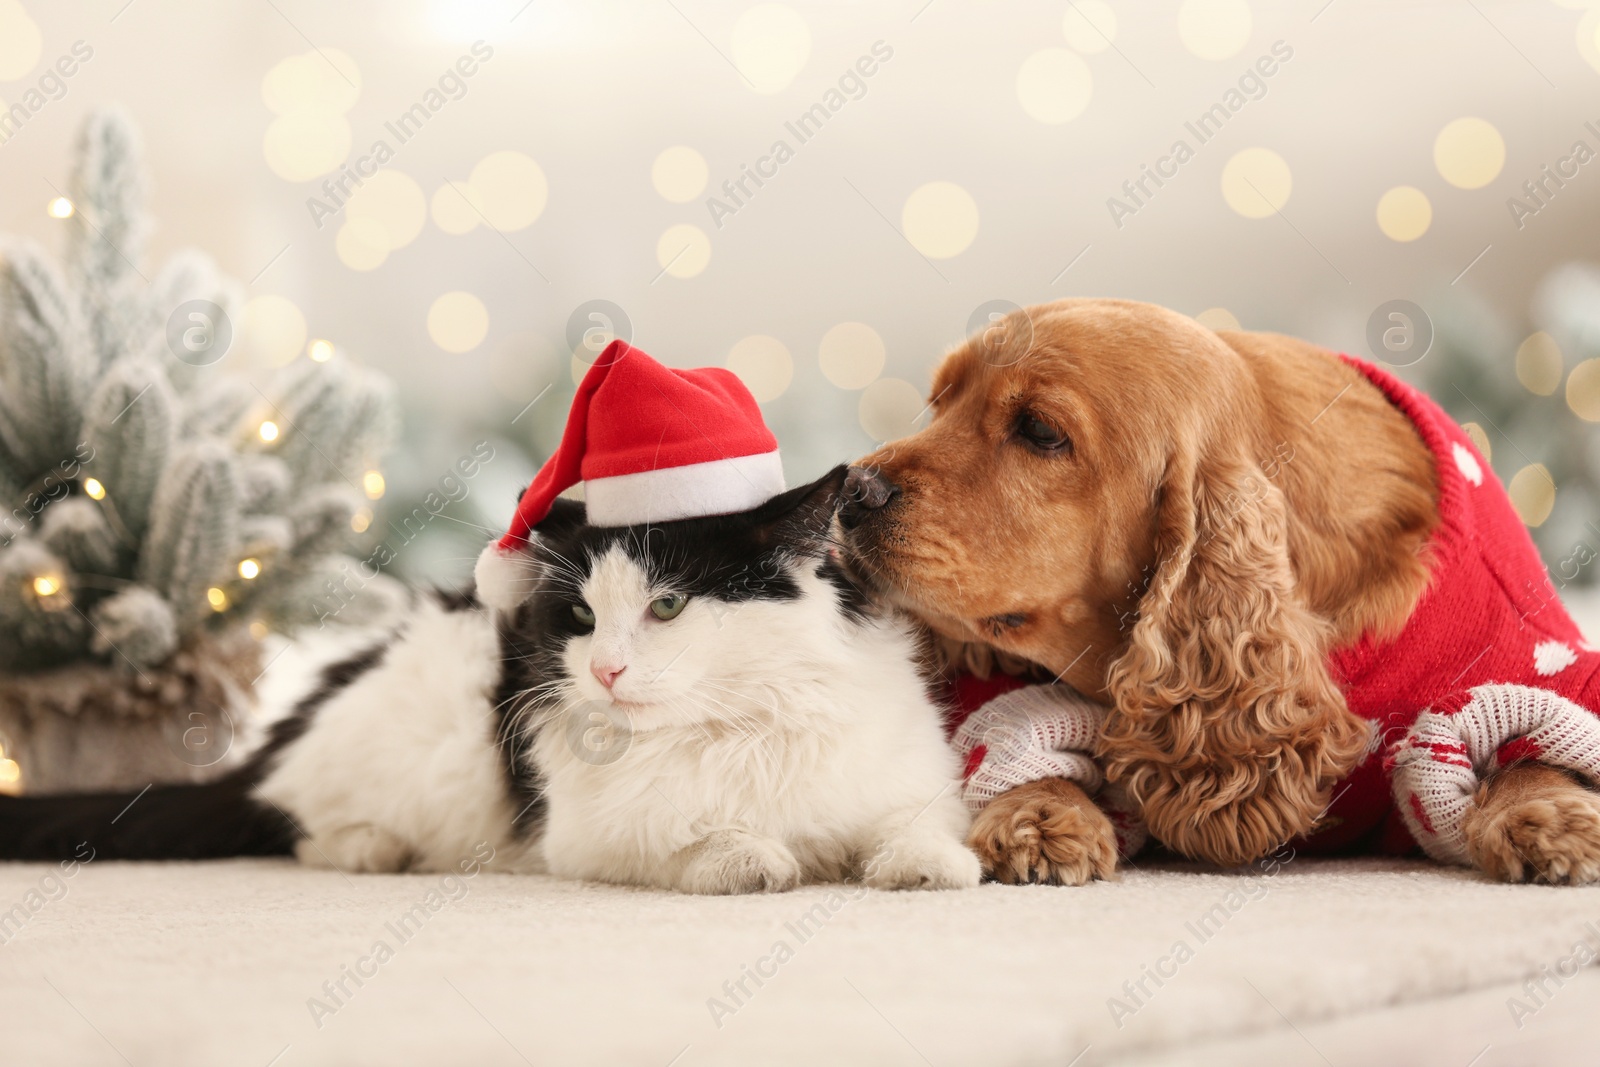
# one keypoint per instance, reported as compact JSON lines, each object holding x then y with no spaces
{"x":1226,"y":726}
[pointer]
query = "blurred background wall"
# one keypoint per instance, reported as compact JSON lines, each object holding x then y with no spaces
{"x":824,"y":196}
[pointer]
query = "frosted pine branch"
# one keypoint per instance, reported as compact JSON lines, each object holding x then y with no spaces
{"x":42,"y":361}
{"x":131,"y":424}
{"x":108,"y":234}
{"x":194,"y":528}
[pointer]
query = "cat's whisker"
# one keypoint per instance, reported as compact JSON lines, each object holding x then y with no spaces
{"x":775,"y":707}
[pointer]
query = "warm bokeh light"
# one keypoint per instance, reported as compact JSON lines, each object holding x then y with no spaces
{"x":267,"y":431}
{"x":683,"y":251}
{"x":770,"y":45}
{"x":764,"y":365}
{"x":325,"y":80}
{"x":1054,"y":85}
{"x":458,"y":322}
{"x":940,"y":219}
{"x":274,"y":330}
{"x":1214,"y":29}
{"x":1089,"y":26}
{"x":456,"y":207}
{"x":319,"y":350}
{"x":1539,"y":364}
{"x":889,"y":408}
{"x":1533,"y":493}
{"x":249,"y":569}
{"x":362,"y":244}
{"x":1583,"y":390}
{"x":217,"y":599}
{"x":1404,"y":213}
{"x":372,"y":484}
{"x":60,"y":208}
{"x":306,"y":145}
{"x":394,"y":204}
{"x":21,"y":42}
{"x":1469,"y":153}
{"x":679,"y":174}
{"x":1256,"y":183}
{"x":512,"y":188}
{"x":47,"y":585}
{"x":852,"y":355}
{"x":1480,"y":439}
{"x":1217,"y":319}
{"x":94,"y":489}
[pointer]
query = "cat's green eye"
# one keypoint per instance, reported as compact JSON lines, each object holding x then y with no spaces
{"x":668,"y":607}
{"x":583,"y":614}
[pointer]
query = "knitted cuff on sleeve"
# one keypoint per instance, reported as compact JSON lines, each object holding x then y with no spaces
{"x":1436,"y":768}
{"x":1038,"y":731}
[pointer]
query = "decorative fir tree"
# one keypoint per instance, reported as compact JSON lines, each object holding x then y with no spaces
{"x":155,"y":500}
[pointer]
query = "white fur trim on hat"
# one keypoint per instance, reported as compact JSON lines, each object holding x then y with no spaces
{"x":504,"y":579}
{"x":720,"y":487}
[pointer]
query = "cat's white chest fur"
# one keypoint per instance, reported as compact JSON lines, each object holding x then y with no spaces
{"x":797,"y":745}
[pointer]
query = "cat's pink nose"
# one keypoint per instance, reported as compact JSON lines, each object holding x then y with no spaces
{"x":607,"y":675}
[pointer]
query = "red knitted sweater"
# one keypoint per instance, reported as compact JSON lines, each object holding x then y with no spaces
{"x":1489,"y":615}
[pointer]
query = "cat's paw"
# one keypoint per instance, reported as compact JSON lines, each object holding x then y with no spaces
{"x":922,"y":861}
{"x":360,"y":848}
{"x":725,"y":862}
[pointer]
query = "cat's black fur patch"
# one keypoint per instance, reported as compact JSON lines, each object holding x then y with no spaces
{"x":334,"y":678}
{"x":854,"y":600}
{"x":511,"y":737}
{"x":169,"y":822}
{"x":734,"y":558}
{"x":456,"y":599}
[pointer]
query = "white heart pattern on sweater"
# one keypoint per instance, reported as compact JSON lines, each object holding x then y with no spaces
{"x":1552,"y":657}
{"x":1468,"y":463}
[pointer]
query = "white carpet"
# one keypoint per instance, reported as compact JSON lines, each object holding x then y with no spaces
{"x":179,"y":964}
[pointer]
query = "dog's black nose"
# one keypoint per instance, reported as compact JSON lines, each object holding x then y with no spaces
{"x":865,"y":490}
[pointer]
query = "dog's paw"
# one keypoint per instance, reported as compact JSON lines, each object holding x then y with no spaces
{"x":725,"y":862}
{"x":362,"y":848}
{"x":1046,"y":832}
{"x":1535,"y":823}
{"x":922,"y":861}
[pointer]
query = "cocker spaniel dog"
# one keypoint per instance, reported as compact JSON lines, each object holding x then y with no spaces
{"x":1298,"y":598}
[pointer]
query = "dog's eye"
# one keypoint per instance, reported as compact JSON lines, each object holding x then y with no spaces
{"x":1040,"y":434}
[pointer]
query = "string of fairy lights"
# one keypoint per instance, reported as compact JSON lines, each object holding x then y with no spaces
{"x":52,"y":591}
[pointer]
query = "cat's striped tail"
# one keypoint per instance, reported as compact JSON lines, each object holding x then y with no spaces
{"x":210,"y":820}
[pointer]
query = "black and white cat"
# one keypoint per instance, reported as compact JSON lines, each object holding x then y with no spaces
{"x":710,"y":705}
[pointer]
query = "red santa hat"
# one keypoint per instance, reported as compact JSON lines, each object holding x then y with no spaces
{"x":650,"y":444}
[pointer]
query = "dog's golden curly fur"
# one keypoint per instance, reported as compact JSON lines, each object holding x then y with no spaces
{"x":1179,"y":522}
{"x":1226,"y":727}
